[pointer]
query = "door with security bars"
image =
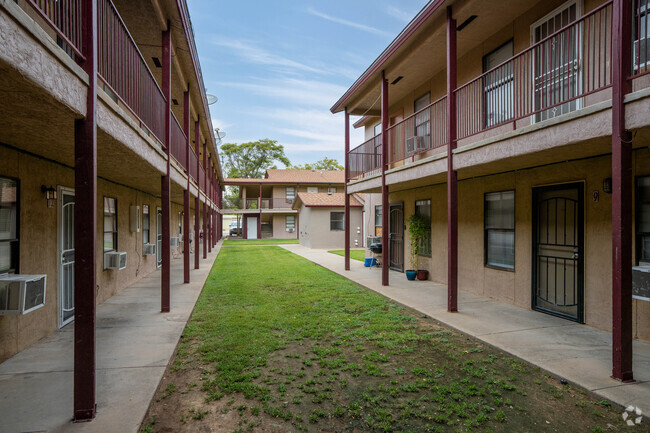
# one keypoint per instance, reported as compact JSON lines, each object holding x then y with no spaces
{"x":66,"y":256}
{"x":558,"y":250}
{"x":396,"y":236}
{"x":556,"y":62}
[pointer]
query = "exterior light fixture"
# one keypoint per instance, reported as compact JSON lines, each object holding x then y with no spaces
{"x":50,"y":195}
{"x":607,"y":185}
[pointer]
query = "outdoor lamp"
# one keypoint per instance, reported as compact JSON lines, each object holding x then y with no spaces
{"x":50,"y":195}
{"x":607,"y":185}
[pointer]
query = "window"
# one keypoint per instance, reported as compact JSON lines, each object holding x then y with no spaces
{"x":500,"y":229}
{"x":377,"y":144}
{"x":423,"y":209}
{"x":180,"y":225}
{"x":641,"y":51}
{"x":643,"y":220}
{"x":145,"y":224}
{"x":8,"y":225}
{"x":336,"y":220}
{"x":497,"y":85}
{"x":110,"y":224}
{"x":290,"y":222}
{"x":378,"y":219}
{"x":290,"y":193}
{"x":312,"y":189}
{"x":422,"y":120}
{"x":331,"y":190}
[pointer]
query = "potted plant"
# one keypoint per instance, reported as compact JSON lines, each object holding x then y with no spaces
{"x":418,"y":229}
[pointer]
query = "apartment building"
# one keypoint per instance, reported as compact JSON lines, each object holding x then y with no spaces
{"x":265,"y":206}
{"x":108,"y":164}
{"x":520,"y":130}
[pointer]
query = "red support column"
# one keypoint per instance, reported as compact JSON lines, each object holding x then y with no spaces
{"x":205,"y":203}
{"x":259,"y":217}
{"x":214,"y":210}
{"x":197,"y":200}
{"x":85,"y":228}
{"x":186,"y":195}
{"x":621,"y":196}
{"x":165,"y":201}
{"x":208,"y":235}
{"x":452,"y":180}
{"x":345,"y":188}
{"x":385,"y":208}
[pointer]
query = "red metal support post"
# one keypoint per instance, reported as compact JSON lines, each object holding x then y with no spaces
{"x":452,"y":180}
{"x":621,"y":196}
{"x":385,"y":262}
{"x":85,"y":228}
{"x":345,"y":188}
{"x":208,"y":235}
{"x":165,"y":201}
{"x":186,"y":193}
{"x":197,"y":200}
{"x":205,"y":203}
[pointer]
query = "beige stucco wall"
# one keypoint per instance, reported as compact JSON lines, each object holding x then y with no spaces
{"x":515,"y":286}
{"x":38,"y":233}
{"x":315,"y":228}
{"x":279,"y":226}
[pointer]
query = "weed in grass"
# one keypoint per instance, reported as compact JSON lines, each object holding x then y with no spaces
{"x":198,"y":414}
{"x":168,"y":391}
{"x":148,"y":428}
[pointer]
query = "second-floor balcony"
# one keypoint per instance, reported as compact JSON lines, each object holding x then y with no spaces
{"x":567,"y":67}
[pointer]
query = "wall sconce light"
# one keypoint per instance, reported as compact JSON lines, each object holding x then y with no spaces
{"x":607,"y":185}
{"x":50,"y":195}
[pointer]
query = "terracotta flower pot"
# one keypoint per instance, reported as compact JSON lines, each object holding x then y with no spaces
{"x":422,"y":274}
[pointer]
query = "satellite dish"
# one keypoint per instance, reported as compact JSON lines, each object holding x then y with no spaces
{"x":218,"y":135}
{"x":211,"y":99}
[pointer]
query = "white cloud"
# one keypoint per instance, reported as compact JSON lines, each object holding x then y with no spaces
{"x":260,"y":56}
{"x":399,"y":13}
{"x":347,"y":23}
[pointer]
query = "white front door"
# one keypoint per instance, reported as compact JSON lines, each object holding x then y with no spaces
{"x":158,"y":237}
{"x":66,"y":256}
{"x":251,"y":227}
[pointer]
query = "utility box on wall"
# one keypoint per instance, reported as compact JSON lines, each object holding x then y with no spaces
{"x":641,"y":282}
{"x":135,"y":219}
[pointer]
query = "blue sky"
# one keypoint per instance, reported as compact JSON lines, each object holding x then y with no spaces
{"x":277,"y":66}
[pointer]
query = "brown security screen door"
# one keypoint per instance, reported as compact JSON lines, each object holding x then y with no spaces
{"x":558,"y":263}
{"x":396,"y":236}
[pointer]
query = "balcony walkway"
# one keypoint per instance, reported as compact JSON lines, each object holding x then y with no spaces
{"x":134,"y":345}
{"x":579,"y":353}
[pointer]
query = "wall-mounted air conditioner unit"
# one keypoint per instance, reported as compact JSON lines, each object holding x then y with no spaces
{"x":290,"y":230}
{"x":149,"y":250}
{"x":174,"y":241}
{"x":641,"y":282}
{"x":115,"y":260}
{"x":21,"y":294}
{"x":135,"y":219}
{"x":415,"y":144}
{"x":372,"y":240}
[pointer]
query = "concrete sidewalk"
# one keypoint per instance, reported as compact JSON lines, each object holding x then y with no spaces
{"x":134,"y":345}
{"x":579,"y":353}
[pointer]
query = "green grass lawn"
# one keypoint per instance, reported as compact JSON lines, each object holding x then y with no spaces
{"x":260,"y":241}
{"x":277,"y":343}
{"x":359,"y":255}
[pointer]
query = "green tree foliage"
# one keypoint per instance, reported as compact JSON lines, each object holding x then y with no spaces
{"x":324,"y":164}
{"x":251,"y":160}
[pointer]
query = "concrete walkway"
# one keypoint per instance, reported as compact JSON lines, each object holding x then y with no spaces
{"x":579,"y":353}
{"x":134,"y":345}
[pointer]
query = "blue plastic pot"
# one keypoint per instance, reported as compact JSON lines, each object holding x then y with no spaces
{"x":410,"y":275}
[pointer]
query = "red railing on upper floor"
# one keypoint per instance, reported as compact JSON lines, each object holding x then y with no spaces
{"x":64,"y":16}
{"x":178,"y":143}
{"x":365,"y":158}
{"x":549,"y":78}
{"x":123,"y":69}
{"x":418,"y":133}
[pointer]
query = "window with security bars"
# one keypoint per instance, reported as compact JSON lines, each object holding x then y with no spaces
{"x":290,"y":222}
{"x":500,"y":229}
{"x":9,"y":239}
{"x":643,"y":220}
{"x":145,"y":224}
{"x":378,"y":217}
{"x":641,"y":48}
{"x":336,"y":221}
{"x":422,"y":118}
{"x":423,"y":210}
{"x":110,"y":224}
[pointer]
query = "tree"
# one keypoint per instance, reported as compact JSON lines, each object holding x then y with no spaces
{"x":251,"y":160}
{"x":324,"y":164}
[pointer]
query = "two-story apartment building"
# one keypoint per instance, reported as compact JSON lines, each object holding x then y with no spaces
{"x":265,"y":206}
{"x":108,"y":165}
{"x":520,"y":131}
